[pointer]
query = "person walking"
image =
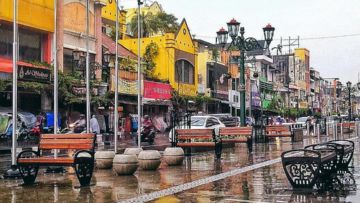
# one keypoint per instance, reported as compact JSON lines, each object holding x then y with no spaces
{"x":94,"y":125}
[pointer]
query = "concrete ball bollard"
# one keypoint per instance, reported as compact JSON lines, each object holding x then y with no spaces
{"x":125,"y":164}
{"x":104,"y":159}
{"x":173,"y":156}
{"x":149,"y":159}
{"x":133,"y":151}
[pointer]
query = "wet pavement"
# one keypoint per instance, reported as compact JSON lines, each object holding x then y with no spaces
{"x":264,"y":184}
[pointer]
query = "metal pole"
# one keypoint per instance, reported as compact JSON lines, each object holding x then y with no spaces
{"x":307,"y":129}
{"x":341,"y":130}
{"x":139,"y":78}
{"x":56,"y":82}
{"x":14,"y":84}
{"x":87,"y":70}
{"x":350,"y":116}
{"x":318,"y":132}
{"x":116,"y":113}
{"x":242,"y":86}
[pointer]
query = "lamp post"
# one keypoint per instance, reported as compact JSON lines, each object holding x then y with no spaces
{"x":348,"y":85}
{"x":242,"y":44}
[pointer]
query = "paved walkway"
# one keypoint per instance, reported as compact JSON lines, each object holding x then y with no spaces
{"x":239,"y":177}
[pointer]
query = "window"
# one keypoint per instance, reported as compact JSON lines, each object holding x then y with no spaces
{"x":29,"y":44}
{"x":184,"y":72}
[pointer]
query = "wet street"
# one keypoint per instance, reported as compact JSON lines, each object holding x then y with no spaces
{"x":240,"y":176}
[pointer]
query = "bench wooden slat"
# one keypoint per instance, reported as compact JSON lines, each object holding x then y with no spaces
{"x":240,"y":140}
{"x":47,"y":160}
{"x":236,"y":133}
{"x":186,"y":137}
{"x":66,"y":141}
{"x":66,"y":146}
{"x":196,"y":144}
{"x":68,"y":136}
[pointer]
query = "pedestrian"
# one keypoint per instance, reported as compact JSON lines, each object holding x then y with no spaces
{"x":94,"y":125}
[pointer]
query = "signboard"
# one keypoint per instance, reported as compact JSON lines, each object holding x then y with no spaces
{"x":255,"y":99}
{"x":125,"y":86}
{"x":81,"y":91}
{"x":157,"y":90}
{"x":33,"y":74}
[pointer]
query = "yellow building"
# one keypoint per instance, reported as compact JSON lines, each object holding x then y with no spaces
{"x":176,"y":61}
{"x":302,"y":63}
{"x":108,"y":14}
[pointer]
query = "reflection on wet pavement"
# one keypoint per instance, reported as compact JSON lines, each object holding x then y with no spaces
{"x":266,"y":184}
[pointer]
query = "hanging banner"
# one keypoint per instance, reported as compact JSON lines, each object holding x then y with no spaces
{"x":157,"y":90}
{"x":125,"y":86}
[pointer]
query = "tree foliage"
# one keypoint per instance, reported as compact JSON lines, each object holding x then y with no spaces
{"x":151,"y":24}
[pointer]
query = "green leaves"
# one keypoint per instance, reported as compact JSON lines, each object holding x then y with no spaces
{"x":151,"y":24}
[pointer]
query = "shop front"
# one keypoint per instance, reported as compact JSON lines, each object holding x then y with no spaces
{"x":157,"y":103}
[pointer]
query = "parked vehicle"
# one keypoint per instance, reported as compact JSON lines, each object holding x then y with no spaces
{"x":26,"y":122}
{"x":227,"y":119}
{"x":302,"y":121}
{"x":201,"y":122}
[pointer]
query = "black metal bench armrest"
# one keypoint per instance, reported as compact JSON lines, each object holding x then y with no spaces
{"x":83,"y":151}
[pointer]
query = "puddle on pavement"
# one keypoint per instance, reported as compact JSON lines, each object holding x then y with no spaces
{"x":267,"y":184}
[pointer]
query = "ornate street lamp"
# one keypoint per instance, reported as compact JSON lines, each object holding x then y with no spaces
{"x":242,"y":44}
{"x":348,"y":85}
{"x":77,"y":55}
{"x":222,"y":36}
{"x":106,"y":56}
{"x":268,"y":34}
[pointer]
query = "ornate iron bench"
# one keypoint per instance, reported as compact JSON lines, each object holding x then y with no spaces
{"x":29,"y":161}
{"x":198,"y":138}
{"x":278,"y":131}
{"x":304,"y":167}
{"x":346,"y":151}
{"x":318,"y":164}
{"x":236,"y":135}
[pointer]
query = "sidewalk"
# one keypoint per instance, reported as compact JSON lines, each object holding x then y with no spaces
{"x":266,"y":183}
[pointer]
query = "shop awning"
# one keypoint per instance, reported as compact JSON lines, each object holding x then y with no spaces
{"x":7,"y":67}
{"x":26,"y":71}
{"x":160,"y":102}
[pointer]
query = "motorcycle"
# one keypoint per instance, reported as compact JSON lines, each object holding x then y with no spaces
{"x":147,"y":134}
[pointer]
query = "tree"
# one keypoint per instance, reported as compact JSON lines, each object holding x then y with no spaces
{"x":153,"y":24}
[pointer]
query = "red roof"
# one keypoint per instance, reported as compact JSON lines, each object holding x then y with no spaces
{"x":111,"y":46}
{"x":7,"y":67}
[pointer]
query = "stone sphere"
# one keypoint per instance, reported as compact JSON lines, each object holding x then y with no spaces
{"x":104,"y":159}
{"x":149,"y":159}
{"x":174,"y":156}
{"x":124,"y":164}
{"x":133,"y":151}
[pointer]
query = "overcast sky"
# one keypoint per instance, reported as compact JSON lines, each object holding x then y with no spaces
{"x":333,"y":57}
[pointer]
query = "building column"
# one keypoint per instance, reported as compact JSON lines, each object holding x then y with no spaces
{"x":98,"y":36}
{"x":60,"y":35}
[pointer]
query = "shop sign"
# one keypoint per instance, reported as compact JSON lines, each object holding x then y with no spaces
{"x":33,"y":74}
{"x":157,"y":90}
{"x":81,"y":91}
{"x":125,"y":86}
{"x":255,"y":99}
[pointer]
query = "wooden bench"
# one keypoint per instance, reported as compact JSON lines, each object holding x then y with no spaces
{"x":236,"y":135}
{"x":348,"y":127}
{"x":198,"y":138}
{"x":278,"y":131}
{"x":29,"y":161}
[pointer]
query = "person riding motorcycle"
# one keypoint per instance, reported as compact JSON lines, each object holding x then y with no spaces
{"x":148,"y":130}
{"x":147,"y":125}
{"x":80,"y":124}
